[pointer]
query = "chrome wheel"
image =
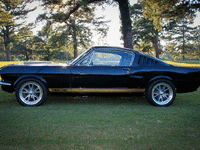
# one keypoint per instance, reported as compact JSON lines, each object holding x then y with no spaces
{"x":162,"y":93}
{"x":30,"y":93}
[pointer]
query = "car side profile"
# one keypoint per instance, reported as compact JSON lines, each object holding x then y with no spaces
{"x":100,"y":70}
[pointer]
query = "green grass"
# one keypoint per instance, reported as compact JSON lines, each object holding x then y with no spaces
{"x":119,"y":123}
{"x":189,"y":61}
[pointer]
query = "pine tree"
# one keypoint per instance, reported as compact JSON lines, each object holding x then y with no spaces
{"x":160,"y":11}
{"x":10,"y":12}
{"x":78,"y":27}
{"x":44,"y":40}
{"x":22,"y":44}
{"x":181,"y":34}
{"x":196,"y":39}
{"x":145,"y":36}
{"x":73,"y":5}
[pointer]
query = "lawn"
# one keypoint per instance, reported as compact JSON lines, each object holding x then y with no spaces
{"x":3,"y":63}
{"x":120,"y":123}
{"x":195,"y":64}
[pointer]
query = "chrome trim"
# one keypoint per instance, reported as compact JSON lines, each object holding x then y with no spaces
{"x":96,"y":90}
{"x":5,"y":83}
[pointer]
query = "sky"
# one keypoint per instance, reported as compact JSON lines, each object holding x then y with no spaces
{"x":110,"y":13}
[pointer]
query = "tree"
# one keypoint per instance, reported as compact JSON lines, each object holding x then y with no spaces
{"x":145,"y":36}
{"x":160,"y":11}
{"x":124,"y":13}
{"x":78,"y":26}
{"x":181,"y":34}
{"x":45,"y":44}
{"x":1,"y":49}
{"x":23,"y":42}
{"x":196,"y":39}
{"x":11,"y":10}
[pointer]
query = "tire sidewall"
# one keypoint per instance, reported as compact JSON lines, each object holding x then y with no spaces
{"x":150,"y":88}
{"x":22,"y":82}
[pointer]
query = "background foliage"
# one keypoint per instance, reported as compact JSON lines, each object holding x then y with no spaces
{"x":157,"y":27}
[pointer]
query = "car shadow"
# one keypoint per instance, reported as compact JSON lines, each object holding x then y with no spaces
{"x":96,"y":99}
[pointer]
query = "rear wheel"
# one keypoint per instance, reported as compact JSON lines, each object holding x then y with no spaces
{"x":161,"y":93}
{"x":31,"y":92}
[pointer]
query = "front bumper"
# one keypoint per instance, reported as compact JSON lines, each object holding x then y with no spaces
{"x":7,"y":87}
{"x":5,"y":83}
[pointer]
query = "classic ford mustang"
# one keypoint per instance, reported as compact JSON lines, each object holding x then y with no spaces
{"x":100,"y":70}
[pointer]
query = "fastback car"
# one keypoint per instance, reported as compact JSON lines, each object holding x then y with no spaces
{"x":100,"y":70}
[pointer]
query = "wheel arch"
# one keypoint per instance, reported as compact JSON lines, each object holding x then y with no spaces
{"x":29,"y":76}
{"x":160,"y":77}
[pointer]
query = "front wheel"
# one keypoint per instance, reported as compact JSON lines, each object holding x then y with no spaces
{"x":161,"y":93}
{"x":31,"y":92}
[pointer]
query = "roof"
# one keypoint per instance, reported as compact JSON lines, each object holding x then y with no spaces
{"x":115,"y":47}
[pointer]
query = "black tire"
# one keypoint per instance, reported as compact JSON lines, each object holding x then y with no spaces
{"x":161,"y":93}
{"x":31,"y":92}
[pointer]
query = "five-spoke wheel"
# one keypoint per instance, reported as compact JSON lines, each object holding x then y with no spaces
{"x":31,"y":92}
{"x":161,"y":93}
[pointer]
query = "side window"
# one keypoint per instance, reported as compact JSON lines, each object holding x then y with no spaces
{"x":107,"y":58}
{"x":111,"y":58}
{"x":104,"y":58}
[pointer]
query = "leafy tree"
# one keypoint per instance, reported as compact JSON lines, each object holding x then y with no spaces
{"x":50,"y":42}
{"x":78,"y":27}
{"x":43,"y":41}
{"x":10,"y":12}
{"x":160,"y":11}
{"x":1,"y":49}
{"x":22,"y":44}
{"x":196,"y":39}
{"x":181,"y":34}
{"x":73,"y":6}
{"x":145,"y":36}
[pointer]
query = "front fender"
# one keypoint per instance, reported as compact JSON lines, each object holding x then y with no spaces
{"x":30,"y":76}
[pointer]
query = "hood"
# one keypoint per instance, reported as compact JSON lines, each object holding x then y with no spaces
{"x":41,"y":63}
{"x":30,"y":67}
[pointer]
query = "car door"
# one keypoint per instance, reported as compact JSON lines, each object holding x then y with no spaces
{"x":102,"y":68}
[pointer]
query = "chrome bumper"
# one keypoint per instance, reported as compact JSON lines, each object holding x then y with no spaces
{"x":5,"y":83}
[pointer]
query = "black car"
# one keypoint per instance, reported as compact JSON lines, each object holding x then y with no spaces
{"x":100,"y":70}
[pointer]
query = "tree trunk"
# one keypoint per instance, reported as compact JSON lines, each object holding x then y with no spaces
{"x":6,"y":43}
{"x":7,"y":51}
{"x":183,"y":47}
{"x":126,"y":23}
{"x":199,"y":50}
{"x":48,"y":54}
{"x":26,"y":52}
{"x":156,"y":46}
{"x":74,"y":40}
